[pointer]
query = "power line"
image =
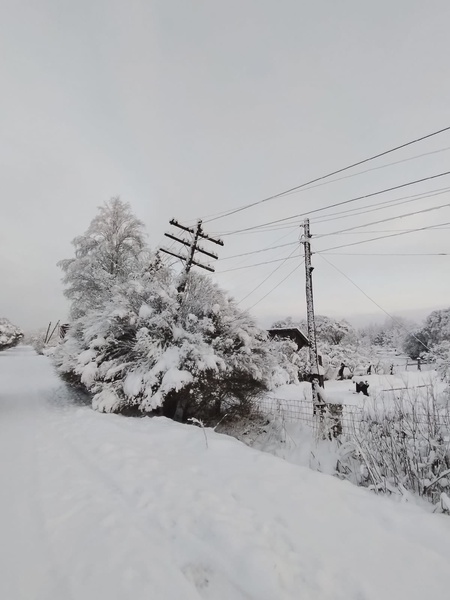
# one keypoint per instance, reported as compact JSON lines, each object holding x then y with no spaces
{"x":258,"y":251}
{"x":374,"y":302}
{"x":267,"y":262}
{"x":417,"y":212}
{"x":341,"y":170}
{"x":261,"y":229}
{"x":310,"y":212}
{"x":268,"y":276}
{"x":384,"y":253}
{"x":390,"y":164}
{"x":279,"y":239}
{"x":383,"y":237}
{"x":438,"y":228}
{"x":276,"y":286}
{"x":343,"y":214}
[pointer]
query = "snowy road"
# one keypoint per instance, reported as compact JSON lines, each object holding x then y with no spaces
{"x":97,"y":507}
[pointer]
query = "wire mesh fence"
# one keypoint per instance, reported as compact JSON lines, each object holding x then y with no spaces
{"x":348,"y":418}
{"x":342,"y":418}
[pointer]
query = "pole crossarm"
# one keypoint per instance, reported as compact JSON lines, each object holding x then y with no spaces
{"x":207,"y":267}
{"x":183,"y":258}
{"x":203,"y":251}
{"x":181,"y":241}
{"x":189,"y":261}
{"x":176,"y":224}
{"x":217,"y":241}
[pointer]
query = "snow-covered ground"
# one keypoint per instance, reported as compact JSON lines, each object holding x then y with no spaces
{"x":380,"y":388}
{"x":97,"y":506}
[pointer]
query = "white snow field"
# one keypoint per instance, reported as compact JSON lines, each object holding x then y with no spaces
{"x":103,"y":507}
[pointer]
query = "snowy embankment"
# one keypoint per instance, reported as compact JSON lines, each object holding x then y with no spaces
{"x":100,"y":506}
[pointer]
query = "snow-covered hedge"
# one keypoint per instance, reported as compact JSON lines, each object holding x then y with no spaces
{"x":10,"y":335}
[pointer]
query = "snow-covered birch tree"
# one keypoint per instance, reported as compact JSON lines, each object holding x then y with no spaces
{"x":105,"y":254}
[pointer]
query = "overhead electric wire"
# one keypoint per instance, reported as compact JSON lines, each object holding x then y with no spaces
{"x":279,"y":239}
{"x":259,"y":251}
{"x":264,"y":230}
{"x":258,"y":230}
{"x":363,"y":197}
{"x":387,"y":231}
{"x":343,"y":214}
{"x":384,"y":253}
{"x":268,"y":276}
{"x":390,"y":164}
{"x":411,"y":214}
{"x":276,"y":286}
{"x":374,"y":302}
{"x":326,"y":176}
{"x":382,"y":237}
{"x":267,"y":262}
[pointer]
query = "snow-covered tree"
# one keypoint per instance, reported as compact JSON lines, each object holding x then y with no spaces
{"x":435,"y":331}
{"x":415,"y":344}
{"x":328,"y":330}
{"x":337,"y":342}
{"x":105,"y":254}
{"x":10,"y":335}
{"x":391,"y":334}
{"x":143,"y":351}
{"x":440,"y":355}
{"x":437,"y":326}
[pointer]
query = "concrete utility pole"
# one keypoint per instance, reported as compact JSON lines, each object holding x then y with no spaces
{"x":316,"y":377}
{"x":193,"y":246}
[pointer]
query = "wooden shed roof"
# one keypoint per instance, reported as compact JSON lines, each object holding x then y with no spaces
{"x":292,"y":333}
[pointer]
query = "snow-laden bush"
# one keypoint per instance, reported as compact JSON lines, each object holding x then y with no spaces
{"x":403,"y":446}
{"x":150,"y":349}
{"x":139,"y":345}
{"x":10,"y":335}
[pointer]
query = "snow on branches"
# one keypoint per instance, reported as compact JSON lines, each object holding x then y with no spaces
{"x":10,"y":335}
{"x":139,"y":346}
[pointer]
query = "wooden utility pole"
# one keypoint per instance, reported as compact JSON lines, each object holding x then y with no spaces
{"x":47,"y":332}
{"x":53,"y":331}
{"x":315,"y":375}
{"x":189,"y":261}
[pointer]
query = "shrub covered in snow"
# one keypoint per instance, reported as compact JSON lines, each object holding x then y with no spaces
{"x":10,"y":335}
{"x":139,"y":345}
{"x":149,"y":350}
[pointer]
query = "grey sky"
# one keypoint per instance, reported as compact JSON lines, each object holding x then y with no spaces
{"x":189,"y":108}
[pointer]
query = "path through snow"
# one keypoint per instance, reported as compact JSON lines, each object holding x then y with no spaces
{"x":101,"y":507}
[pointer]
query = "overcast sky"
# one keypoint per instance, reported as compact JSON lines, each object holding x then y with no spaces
{"x":188,"y":108}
